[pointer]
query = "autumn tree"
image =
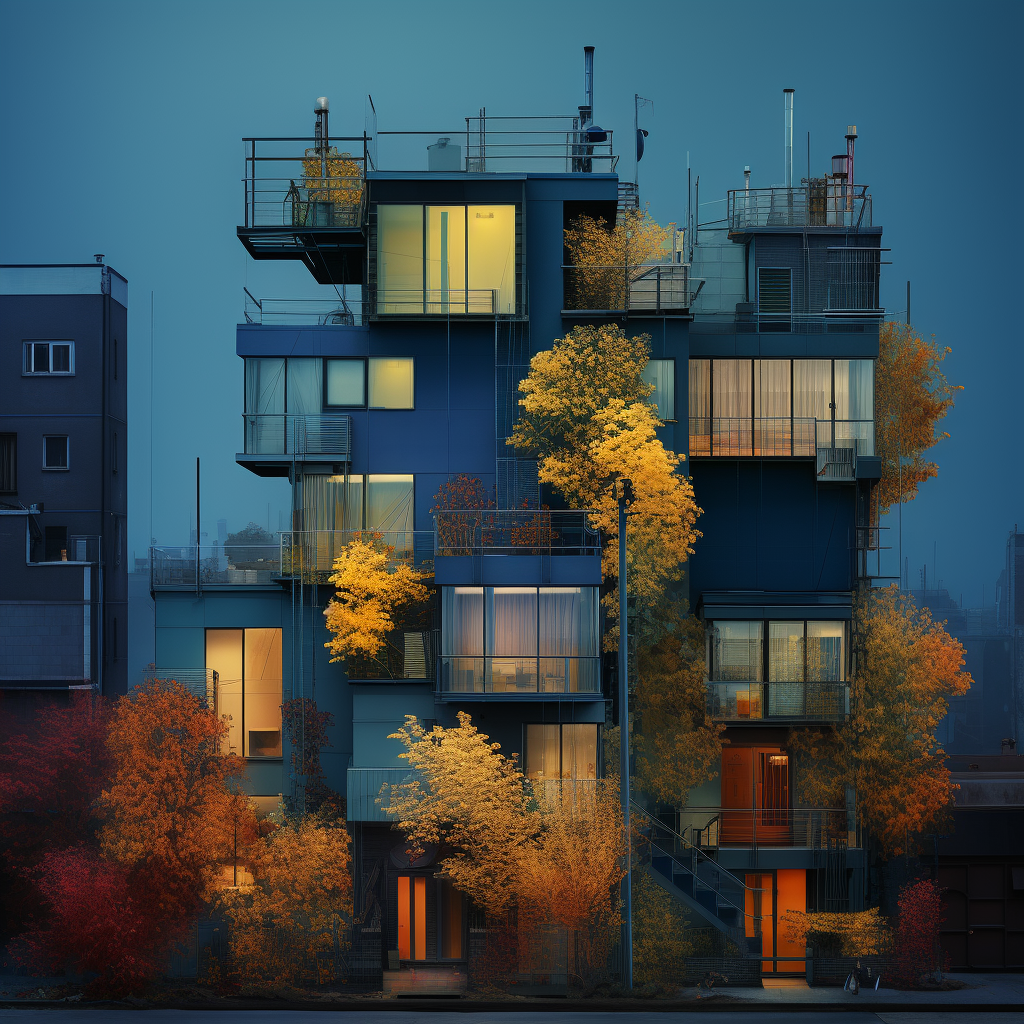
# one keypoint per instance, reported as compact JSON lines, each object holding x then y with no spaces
{"x":907,"y":669}
{"x":839,"y":933}
{"x":298,"y":909}
{"x":172,"y":812}
{"x":912,"y":395}
{"x":372,"y":588}
{"x":585,"y":414}
{"x":332,"y":177}
{"x":918,"y":944}
{"x":605,"y":257}
{"x":307,"y":727}
{"x":661,"y":942}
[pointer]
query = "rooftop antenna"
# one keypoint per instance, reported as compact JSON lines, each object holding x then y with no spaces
{"x":788,"y":99}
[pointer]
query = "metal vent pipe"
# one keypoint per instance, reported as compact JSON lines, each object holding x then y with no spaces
{"x":588,"y":80}
{"x":788,"y":97}
{"x":851,"y":138}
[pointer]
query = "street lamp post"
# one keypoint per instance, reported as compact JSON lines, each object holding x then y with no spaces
{"x":625,"y":496}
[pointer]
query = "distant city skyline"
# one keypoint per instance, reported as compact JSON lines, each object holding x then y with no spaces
{"x":147,"y":167}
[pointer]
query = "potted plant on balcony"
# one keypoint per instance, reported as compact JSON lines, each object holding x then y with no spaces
{"x":333,"y":186}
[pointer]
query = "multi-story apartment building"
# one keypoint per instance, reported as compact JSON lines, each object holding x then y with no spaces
{"x":443,"y":283}
{"x":63,"y":481}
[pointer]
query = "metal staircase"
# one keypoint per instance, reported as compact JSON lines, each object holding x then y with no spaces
{"x":696,"y":880}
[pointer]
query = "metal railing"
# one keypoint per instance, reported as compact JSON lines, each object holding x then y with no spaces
{"x":809,"y":828}
{"x":175,"y":566}
{"x":322,"y":312}
{"x":407,"y":654}
{"x":200,"y":682}
{"x":664,"y":287}
{"x":368,"y":798}
{"x":461,"y":677}
{"x":303,"y":183}
{"x":782,"y":437}
{"x":436,"y":302}
{"x":752,"y":322}
{"x":515,"y":532}
{"x":830,"y":203}
{"x":286,"y":434}
{"x":803,"y":702}
{"x":311,"y":553}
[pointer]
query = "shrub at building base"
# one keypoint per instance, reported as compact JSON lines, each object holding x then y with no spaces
{"x":660,"y":941}
{"x":920,"y":959}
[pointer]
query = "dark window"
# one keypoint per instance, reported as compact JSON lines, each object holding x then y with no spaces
{"x":8,"y":463}
{"x":774,"y":290}
{"x":56,"y":544}
{"x":55,"y":451}
{"x":113,"y":453}
{"x":49,"y":357}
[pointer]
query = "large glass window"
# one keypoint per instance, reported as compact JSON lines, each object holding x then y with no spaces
{"x":391,"y":383}
{"x":446,"y":259}
{"x":825,"y":659}
{"x":731,"y":384}
{"x":786,"y":652}
{"x":305,"y":386}
{"x":346,"y":382}
{"x":855,"y":404}
{"x":248,"y":664}
{"x":812,"y":395}
{"x":700,"y":406}
{"x":662,"y":374}
{"x":389,"y":502}
{"x":521,"y":639}
{"x":567,"y":751}
{"x":736,"y":651}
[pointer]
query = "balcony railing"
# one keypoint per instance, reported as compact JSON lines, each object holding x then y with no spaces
{"x":461,"y":677}
{"x":822,"y":322}
{"x":816,"y":205}
{"x":310,"y":554}
{"x":200,"y":682}
{"x":406,"y":655}
{"x":174,"y":566}
{"x":663,"y":288}
{"x":281,"y":434}
{"x":515,"y":532}
{"x":785,"y":436}
{"x":334,"y":312}
{"x":436,"y":302}
{"x":796,"y":702}
{"x":367,"y":794}
{"x":813,"y":828}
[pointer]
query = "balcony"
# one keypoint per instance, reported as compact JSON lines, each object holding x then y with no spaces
{"x":823,"y":203}
{"x":808,"y":828}
{"x":175,"y":567}
{"x":335,"y":312}
{"x":515,"y":532}
{"x":764,"y":703}
{"x":310,"y":554}
{"x":503,"y":678}
{"x":653,"y":290}
{"x":365,"y":786}
{"x":325,"y":434}
{"x":435,"y":302}
{"x":408,"y":656}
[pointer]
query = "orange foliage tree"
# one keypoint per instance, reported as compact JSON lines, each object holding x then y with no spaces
{"x":172,"y":812}
{"x":911,"y":395}
{"x":907,"y":668}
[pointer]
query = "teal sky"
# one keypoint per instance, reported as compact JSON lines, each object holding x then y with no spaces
{"x":120,"y":128}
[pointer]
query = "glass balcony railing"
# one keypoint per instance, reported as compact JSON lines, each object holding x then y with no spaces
{"x":808,"y":702}
{"x":520,"y":676}
{"x":782,"y":436}
{"x":311,"y":553}
{"x":661,"y":288}
{"x":515,"y":532}
{"x":281,"y":434}
{"x":188,"y":566}
{"x":436,"y":302}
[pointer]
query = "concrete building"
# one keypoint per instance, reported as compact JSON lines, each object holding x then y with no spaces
{"x":63,"y":480}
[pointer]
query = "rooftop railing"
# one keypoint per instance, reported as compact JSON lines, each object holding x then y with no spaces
{"x":283,"y":434}
{"x":661,"y":288}
{"x":515,"y":532}
{"x":794,"y":702}
{"x":311,"y":554}
{"x":322,"y":312}
{"x":823,"y":203}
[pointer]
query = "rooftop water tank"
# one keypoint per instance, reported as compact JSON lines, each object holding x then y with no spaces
{"x":444,"y":155}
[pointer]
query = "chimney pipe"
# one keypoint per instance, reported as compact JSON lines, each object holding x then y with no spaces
{"x":588,"y":82}
{"x":788,"y":98}
{"x":746,"y":180}
{"x":851,"y":138}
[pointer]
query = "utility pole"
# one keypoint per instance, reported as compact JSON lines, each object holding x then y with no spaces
{"x":625,"y":496}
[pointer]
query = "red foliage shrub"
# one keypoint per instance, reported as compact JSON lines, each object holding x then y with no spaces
{"x":918,"y":951}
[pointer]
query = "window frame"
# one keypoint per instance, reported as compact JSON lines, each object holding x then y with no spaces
{"x":67,"y":454}
{"x":598,"y":766}
{"x":325,"y":405}
{"x":766,"y":658}
{"x":28,"y":357}
{"x":12,"y":438}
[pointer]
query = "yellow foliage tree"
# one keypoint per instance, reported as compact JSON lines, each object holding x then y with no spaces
{"x":606,"y":257}
{"x":296,"y":914}
{"x":907,"y":669}
{"x":338,"y":179}
{"x":911,"y":395}
{"x":371,"y":589}
{"x":660,"y":940}
{"x":172,"y":810}
{"x":855,"y":933}
{"x":585,"y":414}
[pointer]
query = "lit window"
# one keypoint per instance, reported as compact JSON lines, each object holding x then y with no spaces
{"x":248,"y":666}
{"x":391,"y":383}
{"x":412,"y":917}
{"x":55,"y":451}
{"x":345,"y":382}
{"x":561,"y":751}
{"x":662,"y":374}
{"x":49,"y":357}
{"x":389,"y":503}
{"x":736,"y":651}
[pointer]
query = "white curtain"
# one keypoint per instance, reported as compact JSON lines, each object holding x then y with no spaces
{"x":305,"y":387}
{"x":732,"y":388}
{"x":568,"y":622}
{"x":772,"y":397}
{"x":511,"y":622}
{"x":855,"y":392}
{"x":812,"y":388}
{"x":264,"y":404}
{"x":463,"y":622}
{"x":662,"y":374}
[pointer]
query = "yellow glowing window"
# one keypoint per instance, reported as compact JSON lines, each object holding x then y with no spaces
{"x":391,"y":383}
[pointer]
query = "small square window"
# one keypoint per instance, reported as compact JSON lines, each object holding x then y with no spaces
{"x":55,"y":451}
{"x":391,"y":383}
{"x":346,"y":382}
{"x":49,"y":357}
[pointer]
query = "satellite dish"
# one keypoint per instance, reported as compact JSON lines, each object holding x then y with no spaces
{"x":641,"y":134}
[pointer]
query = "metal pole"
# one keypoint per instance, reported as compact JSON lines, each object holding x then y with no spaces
{"x":908,"y":303}
{"x":624,"y":489}
{"x":198,"y":535}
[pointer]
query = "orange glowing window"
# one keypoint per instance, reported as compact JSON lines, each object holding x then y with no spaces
{"x":412,"y":917}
